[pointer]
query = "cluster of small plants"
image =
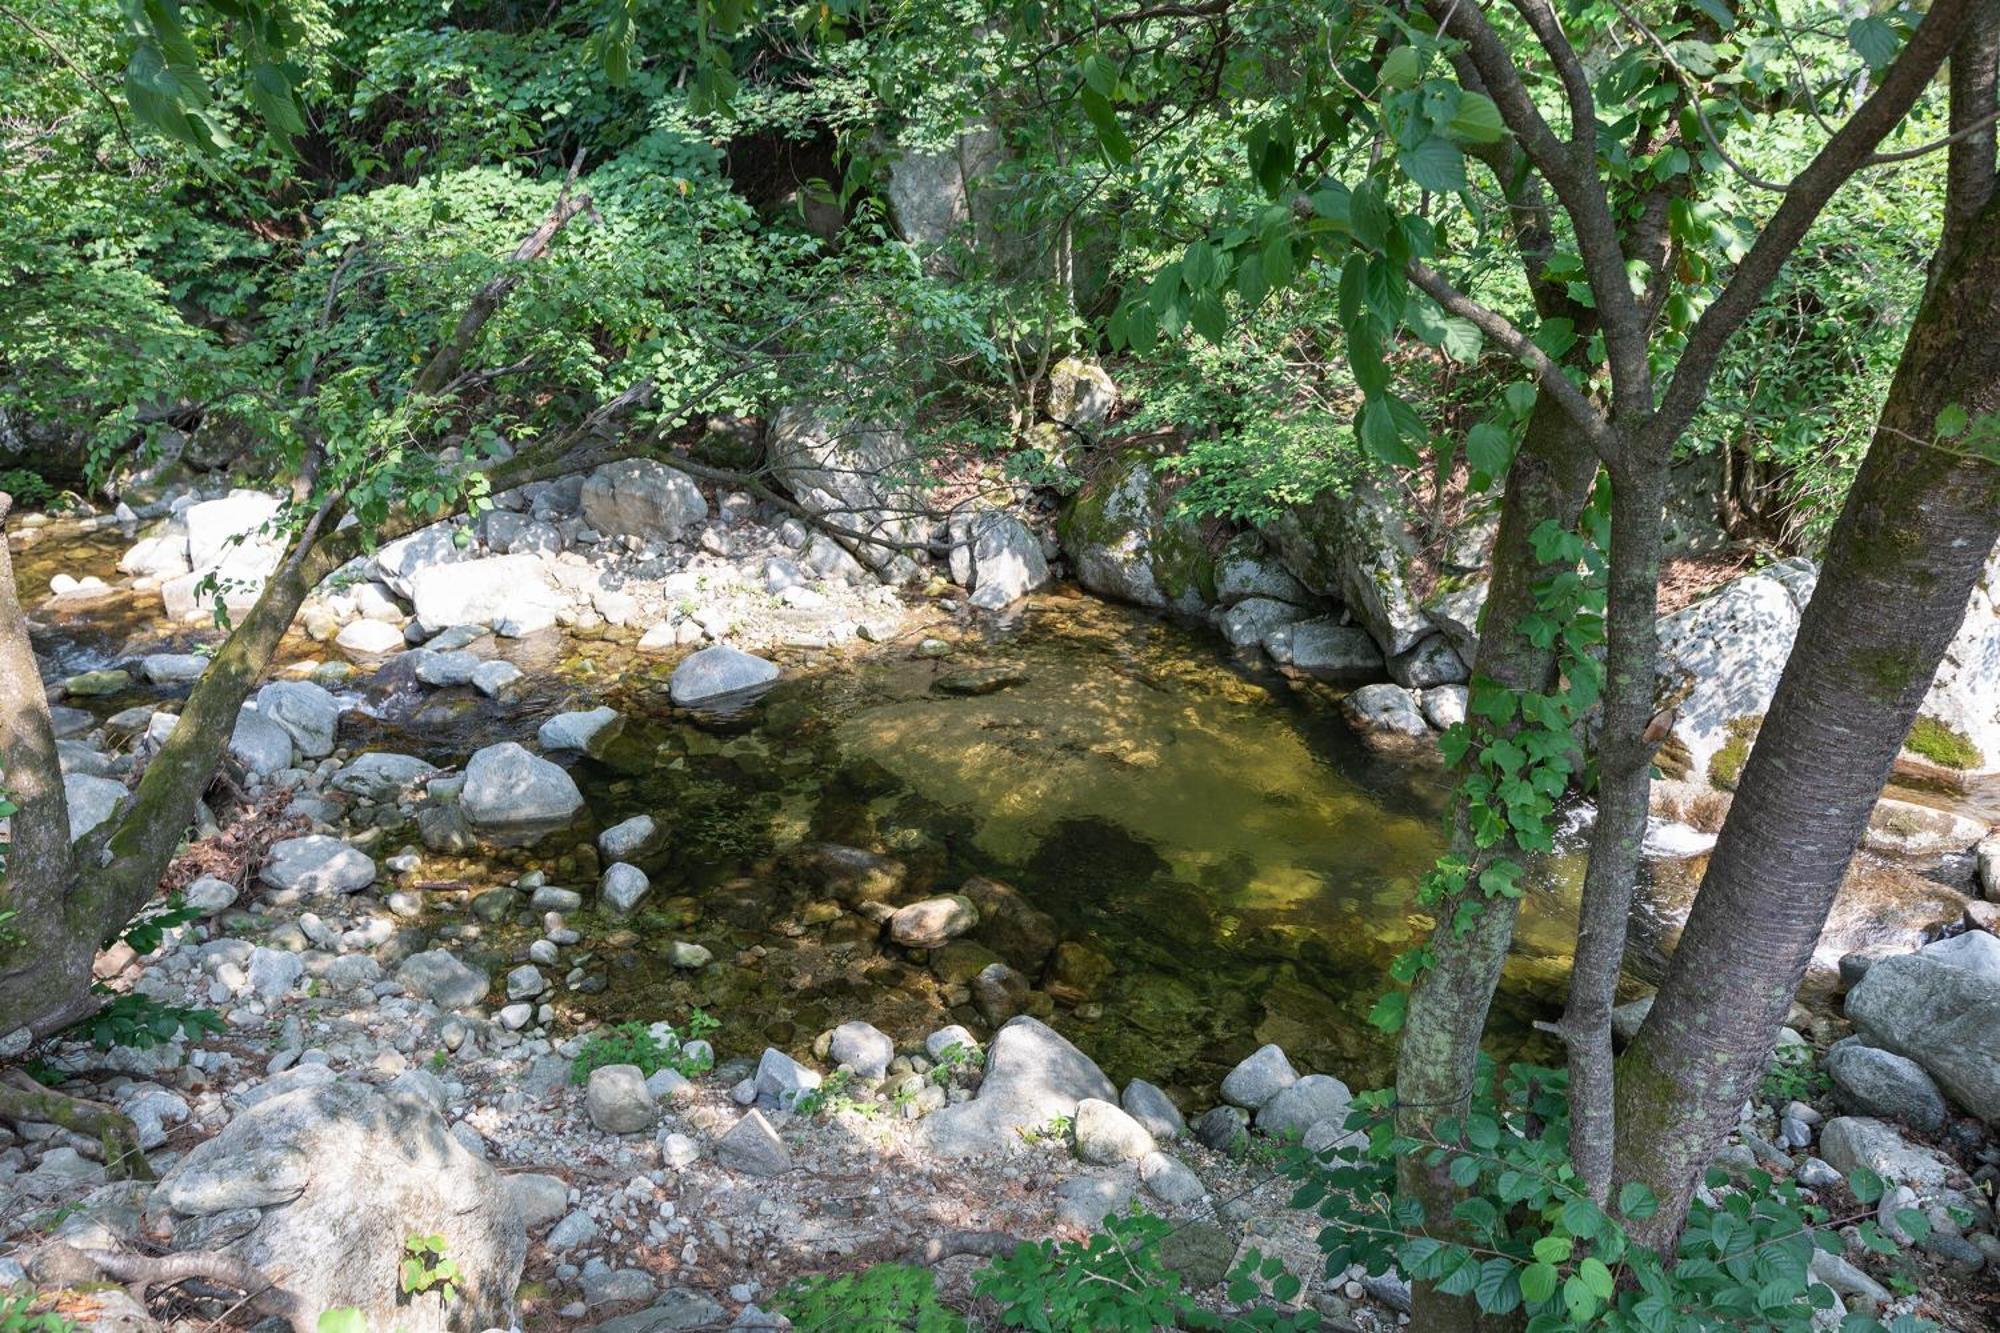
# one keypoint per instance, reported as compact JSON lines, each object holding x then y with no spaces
{"x":832,"y":1096}
{"x":29,"y":489}
{"x":141,"y":1022}
{"x":147,"y":931}
{"x":18,"y":1315}
{"x":426,"y":1267}
{"x":1794,"y":1076}
{"x":652,"y":1047}
{"x":886,"y":1296}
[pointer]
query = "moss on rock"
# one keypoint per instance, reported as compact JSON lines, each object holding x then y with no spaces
{"x":1725,"y":767}
{"x":1943,"y":746}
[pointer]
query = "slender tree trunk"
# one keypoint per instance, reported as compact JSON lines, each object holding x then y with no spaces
{"x":1436,"y":1061}
{"x":1918,"y":527}
{"x":1624,"y":789}
{"x":35,"y":883}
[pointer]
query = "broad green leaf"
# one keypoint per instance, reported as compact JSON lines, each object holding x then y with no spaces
{"x":1874,"y":40}
{"x":1434,"y":164}
{"x":1538,"y":1281}
{"x":1477,"y":120}
{"x":1400,"y":68}
{"x":1110,"y":135}
{"x":1489,"y":449}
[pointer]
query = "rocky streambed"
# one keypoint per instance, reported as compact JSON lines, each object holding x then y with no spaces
{"x":1071,"y":890}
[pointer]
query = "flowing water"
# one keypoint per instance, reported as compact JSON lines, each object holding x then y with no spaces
{"x":1236,"y":867}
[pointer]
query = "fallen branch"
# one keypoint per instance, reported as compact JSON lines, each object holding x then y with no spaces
{"x":24,"y":1100}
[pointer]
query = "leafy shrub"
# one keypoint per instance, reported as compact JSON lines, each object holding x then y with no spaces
{"x":1941,"y":745}
{"x":1527,"y":1239}
{"x":887,"y":1296}
{"x":426,"y":1267}
{"x":1117,"y":1280}
{"x":636,"y":1044}
{"x":1794,"y":1076}
{"x":29,"y":490}
{"x":141,"y":1022}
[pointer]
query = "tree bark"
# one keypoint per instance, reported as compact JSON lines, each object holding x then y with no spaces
{"x":1917,"y":529}
{"x":1437,"y":1059}
{"x":36,"y":879}
{"x":1624,"y":792}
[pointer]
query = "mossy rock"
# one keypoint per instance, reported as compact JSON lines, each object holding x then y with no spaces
{"x":1943,"y":746}
{"x":1725,"y":766}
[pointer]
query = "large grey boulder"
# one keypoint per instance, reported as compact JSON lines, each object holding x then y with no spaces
{"x":514,"y":798}
{"x":1254,"y":619}
{"x":1386,"y":717}
{"x":1358,"y":549}
{"x":309,"y":715}
{"x":343,"y":1175}
{"x":1964,"y":697}
{"x":718,"y":674}
{"x":1873,"y":1082}
{"x":228,"y":536}
{"x":618,"y":1100}
{"x":1033,"y":1075}
{"x":1106,"y":1135}
{"x":862,"y":1047}
{"x":1152,"y":1108}
{"x":1258,"y":1077}
{"x":512,"y":594}
{"x":438,"y":976}
{"x":91,"y":801}
{"x":642,"y":498}
{"x":398,"y":563}
{"x":1326,"y":650}
{"x":1851,"y":1142}
{"x":1081,"y":393}
{"x":173,"y":668}
{"x":1732,"y":646}
{"x":857,"y":475}
{"x":317,"y":866}
{"x":935,"y":194}
{"x":260,"y":745}
{"x":1298,"y":1106}
{"x":994,"y":554}
{"x":1123,"y":540}
{"x":1942,"y":1016}
{"x":381,"y":775}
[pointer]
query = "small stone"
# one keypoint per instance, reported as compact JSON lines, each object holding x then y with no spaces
{"x":1105,"y":1135}
{"x":618,"y":1100}
{"x":579,"y":1228}
{"x":525,"y":982}
{"x":862,"y":1047}
{"x":934,"y":922}
{"x":753,"y":1147}
{"x":1258,"y":1078}
{"x":683,"y":954}
{"x":1168,"y":1179}
{"x":1223,"y":1128}
{"x":1153,"y":1109}
{"x":622,"y":887}
{"x":678,"y":1150}
{"x":629,"y":838}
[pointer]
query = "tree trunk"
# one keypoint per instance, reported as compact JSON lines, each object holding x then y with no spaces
{"x":1624,"y":791}
{"x":34,"y":884}
{"x":1918,"y":526}
{"x":1437,"y":1059}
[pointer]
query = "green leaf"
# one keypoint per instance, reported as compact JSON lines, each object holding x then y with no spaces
{"x":1952,"y":421}
{"x":1636,"y":1203}
{"x":1538,"y":1281}
{"x":1389,"y":1011}
{"x":1596,"y":1277}
{"x":1434,"y":164}
{"x":1874,"y":40}
{"x":1489,"y":449}
{"x":1400,"y":68}
{"x":1582,"y":1219}
{"x":1554,"y":1250}
{"x":1110,"y":135}
{"x":1579,"y":1300}
{"x":1477,"y":120}
{"x":1499,"y":1289}
{"x":347,"y":1319}
{"x":1865,"y":1185}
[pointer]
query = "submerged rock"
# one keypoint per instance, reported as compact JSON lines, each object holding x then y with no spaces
{"x":933,"y":922}
{"x":1386,"y":717}
{"x":719,"y":673}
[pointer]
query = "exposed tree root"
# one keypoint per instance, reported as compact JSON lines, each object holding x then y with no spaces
{"x":144,"y":1271}
{"x":23,"y":1099}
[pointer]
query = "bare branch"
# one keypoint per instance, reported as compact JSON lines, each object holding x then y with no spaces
{"x":1519,"y":345}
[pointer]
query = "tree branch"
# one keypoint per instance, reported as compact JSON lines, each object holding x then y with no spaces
{"x":444,"y":364}
{"x":264,"y":1295}
{"x":1808,"y":193}
{"x":22,"y":1100}
{"x":1573,"y":176}
{"x":1501,"y":330}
